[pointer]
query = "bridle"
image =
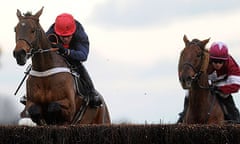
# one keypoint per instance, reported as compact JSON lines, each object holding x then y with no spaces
{"x":198,"y":69}
{"x":34,"y":45}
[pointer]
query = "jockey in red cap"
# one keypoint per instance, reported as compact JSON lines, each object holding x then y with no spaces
{"x":73,"y":44}
{"x":218,"y":51}
{"x":65,"y":25}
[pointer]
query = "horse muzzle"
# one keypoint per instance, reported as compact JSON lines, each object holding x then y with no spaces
{"x":20,"y":56}
{"x":186,"y":82}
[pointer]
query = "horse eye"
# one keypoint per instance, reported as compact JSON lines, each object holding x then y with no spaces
{"x":33,"y":31}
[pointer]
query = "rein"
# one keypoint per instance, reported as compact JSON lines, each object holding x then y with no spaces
{"x":36,"y":50}
{"x":211,"y":107}
{"x":197,"y":73}
{"x":32,"y":52}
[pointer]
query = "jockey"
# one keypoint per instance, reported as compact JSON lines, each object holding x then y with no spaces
{"x":73,"y":44}
{"x":224,"y":77}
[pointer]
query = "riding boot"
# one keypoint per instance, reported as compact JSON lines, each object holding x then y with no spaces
{"x":232,"y":112}
{"x":182,"y":114}
{"x":95,"y":100}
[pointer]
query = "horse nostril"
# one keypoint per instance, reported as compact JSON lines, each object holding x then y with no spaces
{"x":185,"y":79}
{"x":189,"y":78}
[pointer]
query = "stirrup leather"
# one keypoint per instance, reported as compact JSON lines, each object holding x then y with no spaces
{"x":76,"y":78}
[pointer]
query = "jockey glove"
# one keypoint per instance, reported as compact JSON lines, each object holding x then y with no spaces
{"x":217,"y":91}
{"x":53,"y":38}
{"x":60,"y":47}
{"x":213,"y":88}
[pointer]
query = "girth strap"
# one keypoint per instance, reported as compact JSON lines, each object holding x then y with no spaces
{"x":49,"y":72}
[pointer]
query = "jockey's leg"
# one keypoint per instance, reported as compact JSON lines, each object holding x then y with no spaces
{"x":183,"y":113}
{"x":232,"y":111}
{"x":95,"y":99}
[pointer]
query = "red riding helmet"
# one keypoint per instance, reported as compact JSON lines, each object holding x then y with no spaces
{"x":219,"y":50}
{"x":65,"y":24}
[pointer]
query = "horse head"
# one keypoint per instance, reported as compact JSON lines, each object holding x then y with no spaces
{"x":27,"y":33}
{"x":192,"y":61}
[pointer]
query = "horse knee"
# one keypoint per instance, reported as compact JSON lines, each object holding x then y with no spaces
{"x":54,"y":111}
{"x":35,"y":113}
{"x":54,"y":107}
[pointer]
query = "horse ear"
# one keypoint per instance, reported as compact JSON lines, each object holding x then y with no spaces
{"x":185,"y":39}
{"x":204,"y":42}
{"x":19,"y":15}
{"x":38,"y":14}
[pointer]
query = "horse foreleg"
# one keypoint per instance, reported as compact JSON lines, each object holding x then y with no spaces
{"x":35,"y":113}
{"x":60,"y":112}
{"x":31,"y":115}
{"x":54,"y":115}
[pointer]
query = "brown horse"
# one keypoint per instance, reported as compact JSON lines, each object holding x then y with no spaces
{"x":50,"y":88}
{"x":203,"y":106}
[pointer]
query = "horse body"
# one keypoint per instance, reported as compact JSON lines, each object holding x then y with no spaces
{"x":51,"y":92}
{"x":203,"y":106}
{"x":58,"y":88}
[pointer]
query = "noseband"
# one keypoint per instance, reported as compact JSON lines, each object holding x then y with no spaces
{"x":197,"y":72}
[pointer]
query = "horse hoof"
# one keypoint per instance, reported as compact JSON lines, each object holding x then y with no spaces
{"x":26,"y":122}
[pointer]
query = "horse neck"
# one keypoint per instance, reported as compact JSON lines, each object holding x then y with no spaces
{"x":47,"y":60}
{"x":199,"y":92}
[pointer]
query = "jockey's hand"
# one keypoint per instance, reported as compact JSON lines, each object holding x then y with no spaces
{"x":52,"y":38}
{"x":213,"y":88}
{"x":60,"y":47}
{"x":217,"y":91}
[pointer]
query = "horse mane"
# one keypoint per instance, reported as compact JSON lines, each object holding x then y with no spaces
{"x":28,"y":13}
{"x":205,"y":61}
{"x":199,"y":43}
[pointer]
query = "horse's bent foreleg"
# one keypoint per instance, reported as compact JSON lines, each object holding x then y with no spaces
{"x":35,"y":113}
{"x":54,"y":115}
{"x":67,"y":110}
{"x":31,"y":115}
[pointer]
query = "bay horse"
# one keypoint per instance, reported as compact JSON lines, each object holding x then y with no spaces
{"x":50,"y":89}
{"x":203,"y":105}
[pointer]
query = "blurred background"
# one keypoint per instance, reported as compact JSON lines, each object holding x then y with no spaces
{"x":134,"y":50}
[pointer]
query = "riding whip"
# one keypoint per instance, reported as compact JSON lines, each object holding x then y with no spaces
{"x":25,"y":76}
